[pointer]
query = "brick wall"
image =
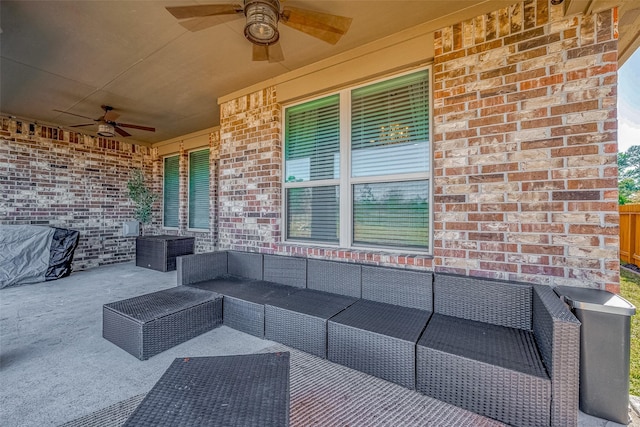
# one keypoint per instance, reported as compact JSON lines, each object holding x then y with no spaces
{"x":250,"y":173}
{"x":525,"y":170}
{"x":69,"y":180}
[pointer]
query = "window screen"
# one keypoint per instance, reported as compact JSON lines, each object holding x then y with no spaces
{"x":391,"y":214}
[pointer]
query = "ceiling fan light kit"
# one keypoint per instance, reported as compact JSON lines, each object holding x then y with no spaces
{"x":106,"y":130}
{"x":262,"y":21}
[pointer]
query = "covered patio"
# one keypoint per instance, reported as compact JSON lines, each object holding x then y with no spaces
{"x":476,"y":139}
{"x":57,"y":368}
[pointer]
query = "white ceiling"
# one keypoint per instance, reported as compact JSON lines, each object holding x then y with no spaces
{"x":133,"y":55}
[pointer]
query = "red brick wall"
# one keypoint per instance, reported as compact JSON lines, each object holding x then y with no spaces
{"x":250,"y":173}
{"x":525,"y":170}
{"x":69,"y":180}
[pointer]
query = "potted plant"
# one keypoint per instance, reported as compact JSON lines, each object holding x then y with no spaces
{"x":142,"y":196}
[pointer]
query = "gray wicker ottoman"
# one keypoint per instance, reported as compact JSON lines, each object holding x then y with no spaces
{"x":149,"y":324}
{"x":246,"y":390}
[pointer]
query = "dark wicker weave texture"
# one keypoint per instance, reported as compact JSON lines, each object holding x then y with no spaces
{"x":149,"y":324}
{"x":483,"y":300}
{"x":378,"y":339}
{"x":287,"y":270}
{"x":246,"y":390}
{"x":245,"y":264}
{"x":244,"y":300}
{"x":400,"y":287}
{"x":199,"y":267}
{"x":491,"y":370}
{"x":335,"y":277}
{"x":557,"y":334}
{"x":160,"y":252}
{"x":300,"y":320}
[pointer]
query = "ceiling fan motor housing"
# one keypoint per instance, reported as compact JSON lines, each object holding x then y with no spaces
{"x":262,"y":21}
{"x":106,"y":130}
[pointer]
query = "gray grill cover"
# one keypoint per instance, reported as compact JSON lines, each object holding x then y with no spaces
{"x":26,"y":254}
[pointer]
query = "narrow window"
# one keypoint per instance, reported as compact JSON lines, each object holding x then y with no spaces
{"x":171,"y":196}
{"x":199,"y":189}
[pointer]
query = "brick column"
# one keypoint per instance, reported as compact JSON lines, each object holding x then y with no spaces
{"x":249,"y":187}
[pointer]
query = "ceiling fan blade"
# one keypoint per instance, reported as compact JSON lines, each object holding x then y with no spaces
{"x":110,"y":116}
{"x":184,"y":12}
{"x":86,"y":124}
{"x":323,"y":26}
{"x":121,"y":132}
{"x":77,"y":115}
{"x":260,"y":53}
{"x":128,"y":125}
{"x":274,"y":53}
{"x":199,"y":24}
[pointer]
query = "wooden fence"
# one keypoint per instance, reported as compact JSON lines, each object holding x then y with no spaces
{"x":630,"y":234}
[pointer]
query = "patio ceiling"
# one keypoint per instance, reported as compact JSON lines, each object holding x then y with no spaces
{"x":75,"y":56}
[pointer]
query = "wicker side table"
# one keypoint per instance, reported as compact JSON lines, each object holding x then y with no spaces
{"x":149,"y":324}
{"x":160,"y":252}
{"x":246,"y":390}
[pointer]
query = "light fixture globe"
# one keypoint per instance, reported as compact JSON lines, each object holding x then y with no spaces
{"x":262,"y":21}
{"x":106,"y":130}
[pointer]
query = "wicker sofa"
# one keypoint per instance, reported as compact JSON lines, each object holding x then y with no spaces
{"x":505,"y":350}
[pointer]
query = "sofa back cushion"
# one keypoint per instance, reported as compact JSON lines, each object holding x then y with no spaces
{"x":287,"y":270}
{"x":245,"y":264}
{"x":335,"y":277}
{"x":399,"y":287}
{"x":484,"y":300}
{"x":199,"y":267}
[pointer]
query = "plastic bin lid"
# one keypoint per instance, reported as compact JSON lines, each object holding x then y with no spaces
{"x":595,"y":300}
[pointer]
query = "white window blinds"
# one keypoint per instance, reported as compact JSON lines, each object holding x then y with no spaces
{"x":390,"y":127}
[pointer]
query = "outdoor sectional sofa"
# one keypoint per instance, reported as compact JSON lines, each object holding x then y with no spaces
{"x":509,"y":351}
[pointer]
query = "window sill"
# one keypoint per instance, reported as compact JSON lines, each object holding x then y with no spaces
{"x":375,"y":256}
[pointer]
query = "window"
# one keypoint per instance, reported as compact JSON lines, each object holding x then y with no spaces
{"x":357,"y":166}
{"x":199,"y":189}
{"x":171,"y":191}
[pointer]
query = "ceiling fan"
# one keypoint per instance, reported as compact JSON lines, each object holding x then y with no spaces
{"x":261,"y":28}
{"x":107,"y":125}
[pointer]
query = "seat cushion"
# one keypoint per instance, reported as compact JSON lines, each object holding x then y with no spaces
{"x":509,"y":348}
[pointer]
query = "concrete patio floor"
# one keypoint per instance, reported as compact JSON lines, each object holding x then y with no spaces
{"x":55,"y":366}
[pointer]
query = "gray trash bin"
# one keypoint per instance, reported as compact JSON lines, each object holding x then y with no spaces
{"x":604,"y":350}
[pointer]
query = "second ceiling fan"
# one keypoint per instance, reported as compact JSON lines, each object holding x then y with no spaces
{"x":262,"y":18}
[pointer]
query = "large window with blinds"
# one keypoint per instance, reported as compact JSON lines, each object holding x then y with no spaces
{"x":171,"y":191}
{"x":199,"y":189}
{"x":357,"y":166}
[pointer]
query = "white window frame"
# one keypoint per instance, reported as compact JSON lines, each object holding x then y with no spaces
{"x":345,"y":182}
{"x":189,"y":189}
{"x":164,"y":175}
